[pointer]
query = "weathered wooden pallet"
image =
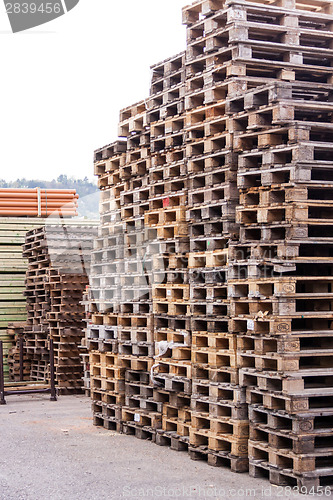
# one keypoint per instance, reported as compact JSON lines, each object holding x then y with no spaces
{"x":171,"y":439}
{"x":171,"y":308}
{"x":209,"y":15}
{"x":241,"y":31}
{"x":141,"y":418}
{"x":307,"y":464}
{"x":135,"y":335}
{"x":171,"y":292}
{"x":219,"y":427}
{"x":149,"y":405}
{"x":140,"y":432}
{"x":274,"y":250}
{"x":170,"y":66}
{"x":222,"y":375}
{"x":216,"y":258}
{"x":174,"y":383}
{"x":137,"y":363}
{"x":304,"y":450}
{"x":287,"y":193}
{"x":218,"y":392}
{"x":208,"y":324}
{"x":310,"y":423}
{"x":108,"y":385}
{"x":226,"y":408}
{"x":165,"y":216}
{"x":177,"y":365}
{"x":178,"y":427}
{"x":233,"y":445}
{"x":208,"y":293}
{"x":306,"y":482}
{"x":165,"y":172}
{"x":225,"y":342}
{"x":291,"y":403}
{"x":100,"y":420}
{"x":289,"y":381}
{"x":172,"y":246}
{"x":207,"y":276}
{"x":136,"y":349}
{"x":172,"y":323}
{"x":209,"y":309}
{"x":216,"y":232}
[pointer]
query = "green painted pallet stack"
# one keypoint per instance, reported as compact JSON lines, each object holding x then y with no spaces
{"x":12,"y":273}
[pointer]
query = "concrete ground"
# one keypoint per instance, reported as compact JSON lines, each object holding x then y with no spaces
{"x":51,"y":451}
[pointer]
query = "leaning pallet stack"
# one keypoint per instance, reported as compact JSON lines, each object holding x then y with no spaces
{"x":58,"y":267}
{"x":243,"y":283}
{"x":166,"y":221}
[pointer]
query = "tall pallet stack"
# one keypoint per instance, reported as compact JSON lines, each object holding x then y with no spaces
{"x":106,"y":380}
{"x":219,"y":430}
{"x":84,"y":349}
{"x":58,"y":269}
{"x":167,"y":224}
{"x":139,"y":414}
{"x":282,"y":285}
{"x":121,"y":333}
{"x":241,"y":135}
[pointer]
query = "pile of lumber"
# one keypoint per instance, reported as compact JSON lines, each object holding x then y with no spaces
{"x":12,"y":275}
{"x":211,"y":316}
{"x":57,"y":276}
{"x":22,"y":210}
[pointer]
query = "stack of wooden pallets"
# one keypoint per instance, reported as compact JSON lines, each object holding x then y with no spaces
{"x":219,"y":429}
{"x":84,"y":349}
{"x":166,"y":221}
{"x":281,"y":282}
{"x":15,"y":358}
{"x":135,"y":327}
{"x":120,"y":285}
{"x":237,"y":224}
{"x":107,"y":381}
{"x":12,"y":274}
{"x":58,"y":267}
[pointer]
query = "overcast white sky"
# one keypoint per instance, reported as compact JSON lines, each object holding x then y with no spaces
{"x":62,"y":84}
